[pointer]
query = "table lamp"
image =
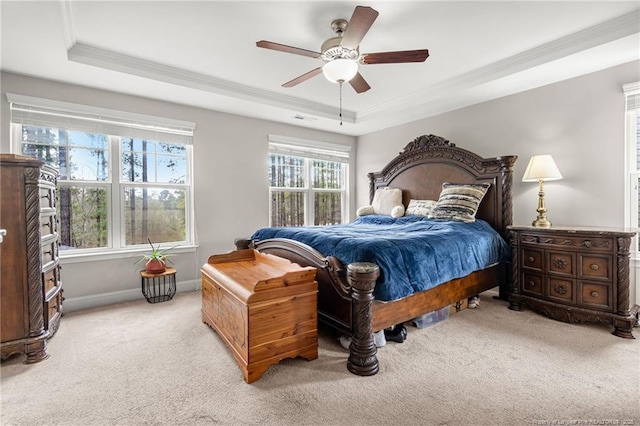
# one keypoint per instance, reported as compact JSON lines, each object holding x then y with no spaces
{"x":541,"y":168}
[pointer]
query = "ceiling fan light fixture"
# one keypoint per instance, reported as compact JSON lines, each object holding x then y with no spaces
{"x":340,"y":70}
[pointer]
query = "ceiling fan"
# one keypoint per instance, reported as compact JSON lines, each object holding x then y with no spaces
{"x":341,"y":53}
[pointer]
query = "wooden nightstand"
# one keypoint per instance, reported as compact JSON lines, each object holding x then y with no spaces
{"x":575,"y":275}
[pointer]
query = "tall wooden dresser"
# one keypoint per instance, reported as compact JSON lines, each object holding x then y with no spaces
{"x":31,"y":289}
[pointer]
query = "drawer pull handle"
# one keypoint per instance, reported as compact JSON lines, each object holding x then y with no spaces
{"x":594,"y":266}
{"x":532,"y":284}
{"x":594,"y":294}
{"x":531,"y":259}
{"x":559,"y":263}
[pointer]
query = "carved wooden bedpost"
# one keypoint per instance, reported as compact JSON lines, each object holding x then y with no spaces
{"x":506,"y":180}
{"x":514,"y":298}
{"x":362,"y":357}
{"x":622,"y":326}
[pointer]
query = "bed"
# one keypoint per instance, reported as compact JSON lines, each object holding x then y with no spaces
{"x":347,"y":289}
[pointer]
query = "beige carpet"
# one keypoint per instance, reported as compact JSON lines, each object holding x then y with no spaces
{"x":142,"y":364}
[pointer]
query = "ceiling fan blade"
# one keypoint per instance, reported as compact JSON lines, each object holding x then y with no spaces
{"x":303,"y":77}
{"x":359,"y":84}
{"x":287,"y":49}
{"x":395,"y":57}
{"x":360,"y":22}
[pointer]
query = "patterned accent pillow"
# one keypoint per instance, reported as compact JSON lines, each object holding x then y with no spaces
{"x":420,"y":207}
{"x":459,"y":201}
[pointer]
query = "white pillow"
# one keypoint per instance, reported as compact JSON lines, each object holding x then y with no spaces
{"x":365,"y":210}
{"x":388,"y":201}
{"x":420,"y":207}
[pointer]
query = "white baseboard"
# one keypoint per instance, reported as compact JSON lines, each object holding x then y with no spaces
{"x":72,"y":304}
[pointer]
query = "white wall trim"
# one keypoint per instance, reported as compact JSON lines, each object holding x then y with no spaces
{"x":68,"y":30}
{"x":109,"y":298}
{"x":308,"y":143}
{"x":92,"y":55}
{"x":597,"y":35}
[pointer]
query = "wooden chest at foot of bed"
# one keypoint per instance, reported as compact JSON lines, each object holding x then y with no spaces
{"x":262,"y":306}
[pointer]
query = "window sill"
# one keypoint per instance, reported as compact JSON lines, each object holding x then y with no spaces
{"x":70,"y":257}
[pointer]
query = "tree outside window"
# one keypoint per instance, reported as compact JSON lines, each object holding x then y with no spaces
{"x":149,"y":195}
{"x":306,"y":191}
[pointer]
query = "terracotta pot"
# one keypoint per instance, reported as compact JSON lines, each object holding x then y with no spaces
{"x":154,"y":266}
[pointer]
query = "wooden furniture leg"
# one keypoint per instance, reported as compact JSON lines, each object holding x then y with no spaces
{"x":362,"y":351}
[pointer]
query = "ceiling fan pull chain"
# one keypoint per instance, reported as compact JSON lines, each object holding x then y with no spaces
{"x":340,"y":103}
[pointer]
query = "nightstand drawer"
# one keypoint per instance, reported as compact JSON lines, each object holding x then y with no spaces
{"x":561,"y":263}
{"x":595,"y":267}
{"x":565,"y":240}
{"x":532,"y":259}
{"x":561,"y":290}
{"x":595,"y":295}
{"x":532,"y":284}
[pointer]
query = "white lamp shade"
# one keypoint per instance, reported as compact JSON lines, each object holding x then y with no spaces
{"x":541,"y":167}
{"x":340,"y":70}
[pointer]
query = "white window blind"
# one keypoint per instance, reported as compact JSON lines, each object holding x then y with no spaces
{"x":48,"y":113}
{"x":309,"y":149}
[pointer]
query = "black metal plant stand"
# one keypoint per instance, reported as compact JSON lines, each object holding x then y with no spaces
{"x":159,"y":287}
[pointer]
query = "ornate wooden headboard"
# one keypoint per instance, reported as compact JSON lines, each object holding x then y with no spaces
{"x":429,"y":161}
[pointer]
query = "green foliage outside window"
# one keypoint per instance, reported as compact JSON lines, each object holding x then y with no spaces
{"x":153,"y":201}
{"x":294,"y":180}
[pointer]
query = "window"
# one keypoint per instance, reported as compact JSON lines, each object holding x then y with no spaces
{"x":632,"y":210}
{"x":307,"y":182}
{"x":124,"y":179}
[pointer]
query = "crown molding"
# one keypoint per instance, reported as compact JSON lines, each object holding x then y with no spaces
{"x":430,"y":98}
{"x":103,"y":58}
{"x":597,"y":35}
{"x":68,"y":31}
{"x":107,"y":59}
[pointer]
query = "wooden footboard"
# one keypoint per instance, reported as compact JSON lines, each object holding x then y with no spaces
{"x":334,"y":292}
{"x":351,"y":309}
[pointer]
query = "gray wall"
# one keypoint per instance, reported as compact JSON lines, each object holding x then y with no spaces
{"x":230,"y":181}
{"x":580,"y":122}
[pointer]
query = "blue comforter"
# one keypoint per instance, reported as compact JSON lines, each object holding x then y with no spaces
{"x":414,"y":253}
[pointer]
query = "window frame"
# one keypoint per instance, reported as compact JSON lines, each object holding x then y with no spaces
{"x":317,"y":151}
{"x":631,"y":163}
{"x":114,"y":184}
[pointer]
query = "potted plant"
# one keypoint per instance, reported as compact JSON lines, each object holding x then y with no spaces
{"x":156,"y":261}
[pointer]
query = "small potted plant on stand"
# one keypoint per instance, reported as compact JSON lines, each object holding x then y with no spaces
{"x":158,"y":282}
{"x":156,"y":261}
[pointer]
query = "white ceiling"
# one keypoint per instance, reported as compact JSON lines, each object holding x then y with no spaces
{"x":204,"y":53}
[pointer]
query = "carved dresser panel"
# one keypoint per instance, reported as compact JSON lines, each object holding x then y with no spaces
{"x":573,"y":275}
{"x":29,"y":267}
